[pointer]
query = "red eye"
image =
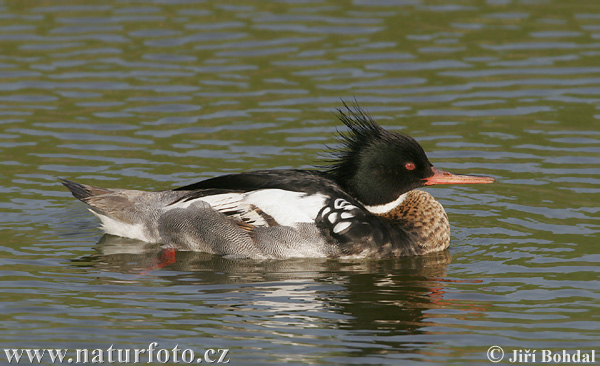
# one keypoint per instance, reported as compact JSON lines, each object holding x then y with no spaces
{"x":410,"y":166}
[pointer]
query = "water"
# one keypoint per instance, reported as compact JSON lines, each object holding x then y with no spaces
{"x":155,"y":95}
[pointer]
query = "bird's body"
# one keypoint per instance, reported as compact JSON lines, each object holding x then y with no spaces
{"x":363,"y":205}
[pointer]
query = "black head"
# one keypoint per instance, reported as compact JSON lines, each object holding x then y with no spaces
{"x":375,"y":165}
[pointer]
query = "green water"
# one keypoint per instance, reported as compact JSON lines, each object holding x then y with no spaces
{"x":155,"y":95}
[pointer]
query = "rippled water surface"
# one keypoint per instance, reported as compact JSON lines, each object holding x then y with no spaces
{"x":155,"y":95}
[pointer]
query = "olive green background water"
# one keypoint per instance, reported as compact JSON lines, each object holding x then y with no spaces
{"x":155,"y":95}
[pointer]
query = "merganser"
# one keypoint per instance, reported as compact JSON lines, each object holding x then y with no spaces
{"x":364,"y":204}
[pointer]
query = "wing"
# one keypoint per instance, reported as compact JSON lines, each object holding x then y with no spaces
{"x":236,"y":182}
{"x":307,"y":181}
{"x":265,"y":198}
{"x":263,"y":207}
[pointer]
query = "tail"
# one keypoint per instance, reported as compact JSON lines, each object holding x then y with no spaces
{"x":82,"y":191}
{"x":120,"y":204}
{"x":124,"y":212}
{"x":113,"y":203}
{"x":115,"y":208}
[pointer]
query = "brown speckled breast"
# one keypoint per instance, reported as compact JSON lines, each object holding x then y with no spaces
{"x":425,"y":220}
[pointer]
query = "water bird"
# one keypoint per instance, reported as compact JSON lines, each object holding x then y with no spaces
{"x":363,"y":203}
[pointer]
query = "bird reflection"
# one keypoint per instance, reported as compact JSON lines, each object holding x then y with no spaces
{"x":391,"y":296}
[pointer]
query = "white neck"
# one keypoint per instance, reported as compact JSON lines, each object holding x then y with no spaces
{"x":386,"y":207}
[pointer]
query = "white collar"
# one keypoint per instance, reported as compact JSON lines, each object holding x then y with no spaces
{"x":386,"y":207}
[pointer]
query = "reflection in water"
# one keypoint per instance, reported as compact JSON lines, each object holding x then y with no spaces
{"x":389,"y":296}
{"x":115,"y":253}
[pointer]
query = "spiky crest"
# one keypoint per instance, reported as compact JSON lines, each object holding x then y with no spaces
{"x":363,"y":133}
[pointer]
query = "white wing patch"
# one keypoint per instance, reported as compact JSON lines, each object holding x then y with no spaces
{"x":217,"y":201}
{"x":287,"y":208}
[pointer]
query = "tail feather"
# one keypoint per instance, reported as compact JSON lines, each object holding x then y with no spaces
{"x":118,"y":210}
{"x":119,"y":204}
{"x":83,"y":191}
{"x":125,"y":212}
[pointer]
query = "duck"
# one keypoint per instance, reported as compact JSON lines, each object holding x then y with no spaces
{"x":364,"y":202}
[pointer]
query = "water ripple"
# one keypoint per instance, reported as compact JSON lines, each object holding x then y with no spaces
{"x":155,"y":95}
